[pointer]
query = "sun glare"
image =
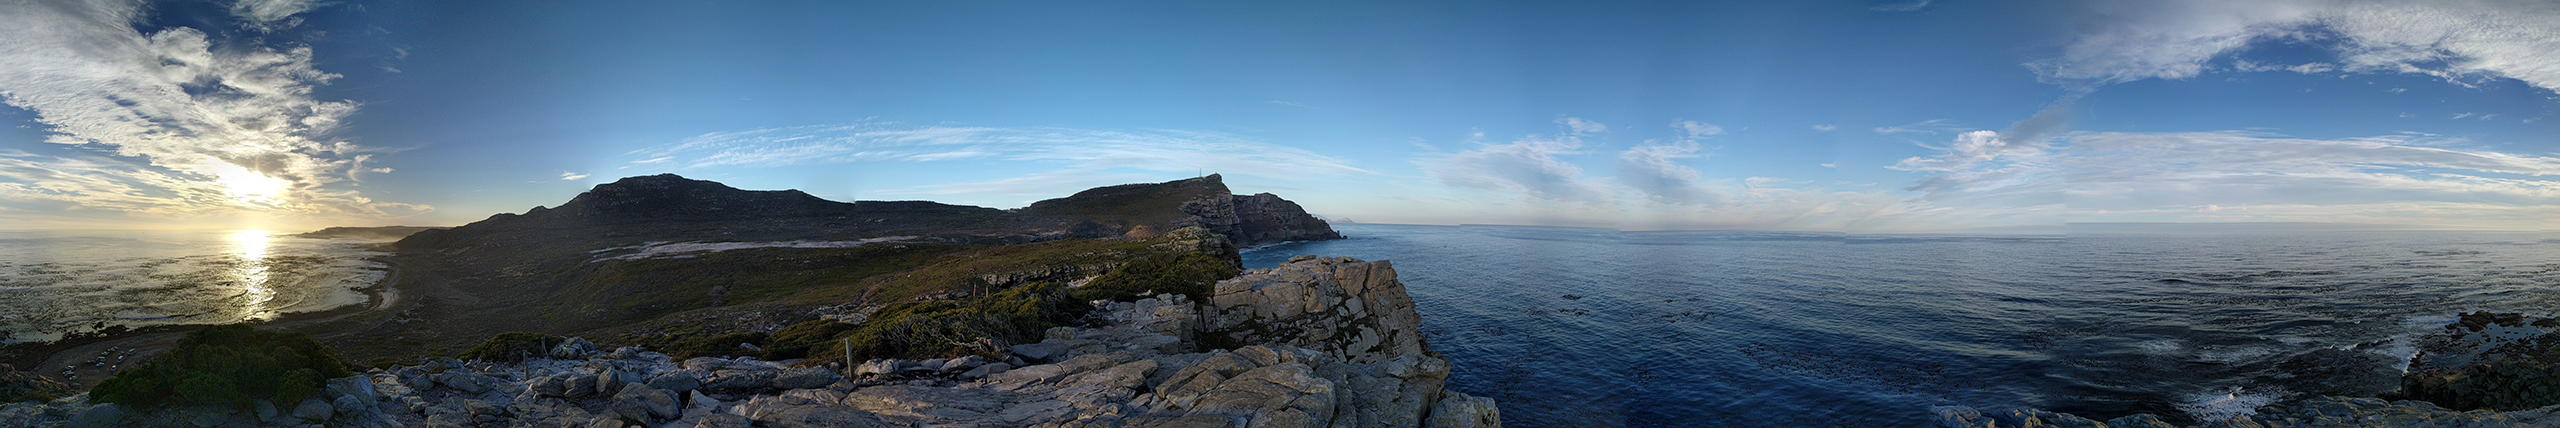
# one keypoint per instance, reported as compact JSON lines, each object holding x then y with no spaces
{"x":252,"y":274}
{"x":249,"y":187}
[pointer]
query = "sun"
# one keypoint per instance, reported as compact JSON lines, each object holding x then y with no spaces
{"x":249,"y":187}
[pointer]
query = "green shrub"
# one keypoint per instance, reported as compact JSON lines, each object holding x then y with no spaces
{"x":16,"y":386}
{"x":512,"y":347}
{"x":228,"y":365}
{"x":977,"y":325}
{"x":725,"y":345}
{"x":795,"y":341}
{"x":1185,"y":273}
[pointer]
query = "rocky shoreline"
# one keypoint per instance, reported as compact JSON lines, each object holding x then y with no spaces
{"x":1362,"y":365}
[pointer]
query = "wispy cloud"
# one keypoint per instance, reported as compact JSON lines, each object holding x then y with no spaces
{"x":189,"y":116}
{"x":1825,"y":128}
{"x":1912,"y":6}
{"x":571,"y":176}
{"x":2460,"y":42}
{"x":1154,"y":150}
{"x":1047,"y":184}
{"x":2109,"y":176}
{"x":1532,"y":166}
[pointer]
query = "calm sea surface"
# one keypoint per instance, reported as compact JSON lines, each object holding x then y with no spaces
{"x":1577,"y":327}
{"x":58,"y":282}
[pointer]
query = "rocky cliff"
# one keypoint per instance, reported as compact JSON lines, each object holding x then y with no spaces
{"x":1203,"y":202}
{"x":1134,"y":370}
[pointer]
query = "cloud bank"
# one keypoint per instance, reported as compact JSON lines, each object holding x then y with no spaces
{"x":175,"y":123}
{"x":1154,"y":150}
{"x":2461,"y":41}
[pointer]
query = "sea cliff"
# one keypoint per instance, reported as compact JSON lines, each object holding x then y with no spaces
{"x":1349,"y":357}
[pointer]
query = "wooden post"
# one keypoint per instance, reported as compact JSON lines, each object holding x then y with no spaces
{"x":848,"y":356}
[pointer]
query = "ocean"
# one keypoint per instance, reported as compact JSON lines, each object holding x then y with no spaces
{"x":1582,"y":327}
{"x":54,"y":283}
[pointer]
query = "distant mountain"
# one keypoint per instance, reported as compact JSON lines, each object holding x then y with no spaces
{"x":379,"y":232}
{"x":668,"y":207}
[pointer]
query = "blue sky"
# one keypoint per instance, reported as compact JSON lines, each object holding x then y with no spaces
{"x":1857,"y":116}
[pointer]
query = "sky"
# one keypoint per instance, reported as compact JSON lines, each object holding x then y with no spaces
{"x":1905,"y":116}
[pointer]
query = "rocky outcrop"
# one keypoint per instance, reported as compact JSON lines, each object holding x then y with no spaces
{"x":1265,"y":218}
{"x":2322,"y":412}
{"x":1349,"y":309}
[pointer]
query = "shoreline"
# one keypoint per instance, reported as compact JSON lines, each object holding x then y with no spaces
{"x":44,"y":358}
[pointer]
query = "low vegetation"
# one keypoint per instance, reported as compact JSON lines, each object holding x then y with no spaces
{"x":513,"y":347}
{"x":227,"y":365}
{"x":16,"y":386}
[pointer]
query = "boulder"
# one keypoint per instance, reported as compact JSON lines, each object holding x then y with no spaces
{"x":1043,"y":351}
{"x":640,"y":402}
{"x":675,"y":382}
{"x":724,"y":420}
{"x":740,"y":379}
{"x":1350,"y":309}
{"x":1458,"y":410}
{"x":465,"y":381}
{"x":99,"y":416}
{"x":947,"y":404}
{"x":984,"y":370}
{"x":312,"y":409}
{"x":883,"y":366}
{"x":805,"y":378}
{"x":578,"y":385}
{"x":576,"y":348}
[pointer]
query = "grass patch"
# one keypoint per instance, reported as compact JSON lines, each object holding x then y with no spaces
{"x":227,"y":365}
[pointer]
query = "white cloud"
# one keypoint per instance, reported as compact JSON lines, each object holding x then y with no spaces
{"x":1530,"y":166}
{"x":1654,"y":170}
{"x":270,"y":15}
{"x":1825,"y":128}
{"x":192,"y":117}
{"x":1157,"y":150}
{"x":1691,"y":129}
{"x":2460,"y":41}
{"x":1913,"y":6}
{"x":1578,"y":126}
{"x":1931,"y":126}
{"x":2120,"y":176}
{"x":571,"y":176}
{"x":1044,"y":185}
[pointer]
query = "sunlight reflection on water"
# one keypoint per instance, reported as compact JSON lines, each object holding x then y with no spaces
{"x":256,"y":296}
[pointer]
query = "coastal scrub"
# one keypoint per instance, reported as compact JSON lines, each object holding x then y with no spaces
{"x":227,"y":365}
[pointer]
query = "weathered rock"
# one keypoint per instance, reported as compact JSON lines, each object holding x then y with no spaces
{"x":1044,"y":351}
{"x":640,"y":402}
{"x":805,"y":378}
{"x":1459,"y":410}
{"x":99,"y":416}
{"x":740,"y":379}
{"x":675,"y":382}
{"x":984,"y":370}
{"x":578,"y":385}
{"x":465,"y":381}
{"x":930,"y":403}
{"x":724,"y":420}
{"x":312,"y":409}
{"x":881,"y":367}
{"x":1346,"y":308}
{"x":574,"y":349}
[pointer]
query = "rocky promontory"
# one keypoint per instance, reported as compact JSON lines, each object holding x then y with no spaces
{"x":1335,"y":348}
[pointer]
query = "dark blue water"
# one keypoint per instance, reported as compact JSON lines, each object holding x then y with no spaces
{"x":1580,"y":327}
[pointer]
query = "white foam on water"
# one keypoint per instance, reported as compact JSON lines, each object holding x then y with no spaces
{"x":2163,"y":347}
{"x":2230,"y":403}
{"x":2233,"y":354}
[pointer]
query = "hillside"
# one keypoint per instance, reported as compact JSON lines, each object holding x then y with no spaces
{"x":662,"y":258}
